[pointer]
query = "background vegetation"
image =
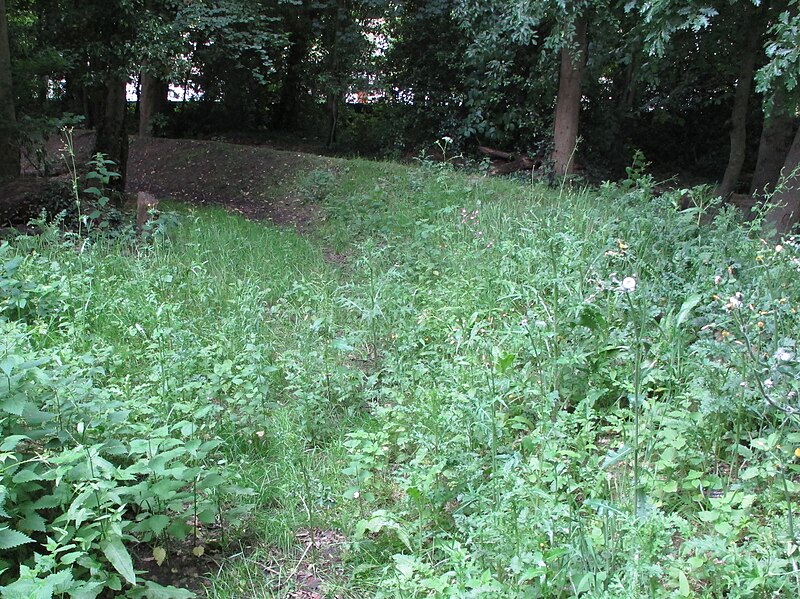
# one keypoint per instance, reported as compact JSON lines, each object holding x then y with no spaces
{"x":707,"y":89}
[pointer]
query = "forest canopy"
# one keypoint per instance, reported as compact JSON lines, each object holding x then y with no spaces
{"x":707,"y":89}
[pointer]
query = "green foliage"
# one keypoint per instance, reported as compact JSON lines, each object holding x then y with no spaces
{"x":503,"y":391}
{"x":572,"y":394}
{"x":783,"y":55}
{"x":637,"y":175}
{"x":81,"y":474}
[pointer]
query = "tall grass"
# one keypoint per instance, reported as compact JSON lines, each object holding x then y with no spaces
{"x":474,"y":400}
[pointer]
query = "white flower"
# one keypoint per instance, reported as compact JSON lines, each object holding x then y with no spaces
{"x":628,"y":284}
{"x":778,"y":249}
{"x":769,"y":384}
{"x":447,"y":139}
{"x":734,"y":302}
{"x":717,"y":280}
{"x":783,"y":355}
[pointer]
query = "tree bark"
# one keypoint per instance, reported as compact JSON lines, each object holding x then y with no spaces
{"x":9,"y":147}
{"x":152,"y":101}
{"x":786,"y":200}
{"x":568,"y":101}
{"x":730,"y":179}
{"x":332,"y":104}
{"x":776,"y":139}
{"x":112,"y":136}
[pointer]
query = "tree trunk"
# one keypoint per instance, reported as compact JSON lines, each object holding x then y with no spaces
{"x":333,"y":95}
{"x":287,"y":111}
{"x":152,"y":101}
{"x":786,"y":200}
{"x":776,"y":139}
{"x":730,"y":179}
{"x":333,"y":116}
{"x":112,"y":136}
{"x":568,"y":101}
{"x":72,"y":100}
{"x":9,"y":147}
{"x":627,"y":97}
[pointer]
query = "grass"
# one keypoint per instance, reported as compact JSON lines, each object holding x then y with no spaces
{"x":471,"y":406}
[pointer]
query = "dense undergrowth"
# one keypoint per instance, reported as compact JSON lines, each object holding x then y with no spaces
{"x":506,"y":391}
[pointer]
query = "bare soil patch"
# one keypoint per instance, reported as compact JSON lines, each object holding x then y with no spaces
{"x":255,"y":181}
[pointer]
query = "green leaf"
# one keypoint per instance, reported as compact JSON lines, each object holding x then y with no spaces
{"x":27,"y":588}
{"x":155,"y":524}
{"x":615,"y":457}
{"x":341,"y":345}
{"x":89,"y":590}
{"x":153,"y":590}
{"x":723,"y":528}
{"x":7,"y":365}
{"x":684,"y":590}
{"x":708,"y":515}
{"x":751,"y":472}
{"x":670,"y":487}
{"x":214,"y":479}
{"x":27,"y":475}
{"x":33,"y":363}
{"x":10,"y":538}
{"x":118,"y":555}
{"x":591,"y":317}
{"x":505,"y":362}
{"x":381,"y":521}
{"x":687,"y":307}
{"x":10,"y":443}
{"x":15,"y":405}
{"x":32,"y":522}
{"x":603,"y":507}
{"x":586,"y":583}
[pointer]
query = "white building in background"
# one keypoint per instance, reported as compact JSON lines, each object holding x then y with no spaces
{"x":177,"y":93}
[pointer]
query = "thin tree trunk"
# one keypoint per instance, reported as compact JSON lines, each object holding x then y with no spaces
{"x":287,"y":111}
{"x":112,"y":136}
{"x":568,"y":101}
{"x":332,"y":98}
{"x":333,"y":116}
{"x":72,"y":100}
{"x":627,"y":96}
{"x":787,"y":197}
{"x":152,"y":102}
{"x":730,"y":179}
{"x":9,"y":147}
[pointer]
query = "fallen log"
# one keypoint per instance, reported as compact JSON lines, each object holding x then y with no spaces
{"x":495,"y":153}
{"x":521,"y":164}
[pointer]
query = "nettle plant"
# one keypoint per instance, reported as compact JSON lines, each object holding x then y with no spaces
{"x":81,"y":478}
